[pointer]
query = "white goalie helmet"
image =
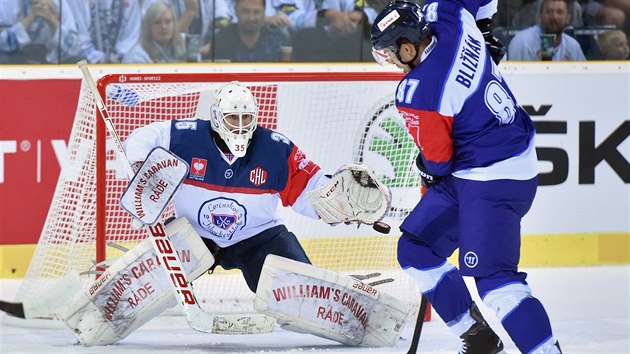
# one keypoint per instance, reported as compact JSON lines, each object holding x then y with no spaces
{"x":234,"y":116}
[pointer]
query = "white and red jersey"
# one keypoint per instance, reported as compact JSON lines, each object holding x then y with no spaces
{"x":230,"y":199}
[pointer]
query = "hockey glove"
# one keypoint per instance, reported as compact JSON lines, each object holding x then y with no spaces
{"x":353,"y":194}
{"x":495,"y":47}
{"x":428,"y":179}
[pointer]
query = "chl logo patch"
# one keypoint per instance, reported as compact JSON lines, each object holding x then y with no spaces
{"x":258,"y":176}
{"x":222,"y":217}
{"x":198,"y":168}
{"x":470,"y":259}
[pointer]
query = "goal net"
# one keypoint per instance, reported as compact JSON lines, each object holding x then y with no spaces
{"x":335,"y":118}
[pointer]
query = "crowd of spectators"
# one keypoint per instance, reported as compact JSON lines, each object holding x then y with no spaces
{"x":164,"y":31}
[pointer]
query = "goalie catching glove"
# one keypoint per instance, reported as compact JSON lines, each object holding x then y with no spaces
{"x":353,"y":194}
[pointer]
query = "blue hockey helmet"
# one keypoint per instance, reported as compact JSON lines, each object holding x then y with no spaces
{"x":399,"y":19}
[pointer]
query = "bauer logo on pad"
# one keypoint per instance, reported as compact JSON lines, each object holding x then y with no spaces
{"x":153,"y":186}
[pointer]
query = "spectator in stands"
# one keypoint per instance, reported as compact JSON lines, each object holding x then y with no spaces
{"x":516,"y":13}
{"x":525,"y":13}
{"x":531,"y":44}
{"x":160,"y":40}
{"x":341,"y":33}
{"x":577,"y":14}
{"x":613,"y":45}
{"x":606,"y":12}
{"x":284,"y":13}
{"x":108,"y":28}
{"x":250,"y":39}
{"x":37,"y":32}
{"x":199,"y":19}
{"x":291,"y":15}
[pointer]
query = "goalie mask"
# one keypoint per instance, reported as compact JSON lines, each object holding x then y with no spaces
{"x":234,"y":116}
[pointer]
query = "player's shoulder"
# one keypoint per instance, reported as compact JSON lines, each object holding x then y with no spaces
{"x":444,"y":11}
{"x":267,"y":134}
{"x":271,"y":140}
{"x":189,"y":124}
{"x":422,"y":88}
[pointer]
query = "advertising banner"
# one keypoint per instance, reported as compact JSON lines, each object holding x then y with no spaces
{"x":582,"y":116}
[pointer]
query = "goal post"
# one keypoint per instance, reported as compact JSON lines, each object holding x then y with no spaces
{"x":334,"y":117}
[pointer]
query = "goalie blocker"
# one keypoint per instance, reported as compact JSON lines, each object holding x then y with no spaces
{"x":312,"y":300}
{"x":154,"y":185}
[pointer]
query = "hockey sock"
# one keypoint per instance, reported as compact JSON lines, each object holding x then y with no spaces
{"x":528,"y":325}
{"x":437,"y":279}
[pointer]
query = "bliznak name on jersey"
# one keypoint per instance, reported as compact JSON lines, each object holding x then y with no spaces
{"x":469,"y":61}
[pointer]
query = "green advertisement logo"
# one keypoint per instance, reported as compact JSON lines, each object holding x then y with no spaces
{"x":385,"y":146}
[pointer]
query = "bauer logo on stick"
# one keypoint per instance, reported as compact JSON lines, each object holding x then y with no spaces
{"x":153,"y":186}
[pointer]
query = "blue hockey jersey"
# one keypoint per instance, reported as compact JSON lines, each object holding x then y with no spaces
{"x":457,"y":106}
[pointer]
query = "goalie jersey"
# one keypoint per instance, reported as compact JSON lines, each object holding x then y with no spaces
{"x":229,"y":199}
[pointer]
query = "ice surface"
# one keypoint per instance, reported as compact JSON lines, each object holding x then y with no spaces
{"x":588,"y":306}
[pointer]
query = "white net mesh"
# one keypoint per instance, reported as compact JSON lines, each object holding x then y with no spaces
{"x":334,"y":122}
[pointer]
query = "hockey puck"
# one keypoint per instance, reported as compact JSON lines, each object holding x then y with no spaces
{"x":381,"y":227}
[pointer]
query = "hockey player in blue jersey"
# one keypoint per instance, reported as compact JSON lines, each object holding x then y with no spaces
{"x":478,"y":167}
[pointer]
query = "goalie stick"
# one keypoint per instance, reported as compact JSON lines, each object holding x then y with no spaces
{"x":196,"y":318}
{"x":15,"y":309}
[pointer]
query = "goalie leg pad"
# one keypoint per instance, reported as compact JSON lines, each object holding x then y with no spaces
{"x":43,"y":305}
{"x":308,"y":299}
{"x":134,"y":289}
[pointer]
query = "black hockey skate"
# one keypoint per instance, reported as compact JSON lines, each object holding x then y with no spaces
{"x":480,"y":338}
{"x":558,"y":346}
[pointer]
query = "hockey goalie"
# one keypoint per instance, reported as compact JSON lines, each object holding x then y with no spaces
{"x":226,"y":205}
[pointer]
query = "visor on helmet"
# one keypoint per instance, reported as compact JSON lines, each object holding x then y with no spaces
{"x":381,"y":57}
